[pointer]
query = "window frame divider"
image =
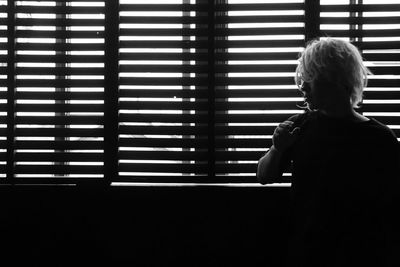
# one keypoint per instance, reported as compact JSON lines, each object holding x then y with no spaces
{"x":312,"y":10}
{"x":11,"y":84}
{"x":211,"y":49}
{"x":111,"y":79}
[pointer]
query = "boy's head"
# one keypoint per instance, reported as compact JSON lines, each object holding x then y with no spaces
{"x":334,"y":70}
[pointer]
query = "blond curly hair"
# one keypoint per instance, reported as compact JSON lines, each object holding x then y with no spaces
{"x":334,"y":63}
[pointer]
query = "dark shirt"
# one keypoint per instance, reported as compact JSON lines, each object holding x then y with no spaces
{"x":344,"y":174}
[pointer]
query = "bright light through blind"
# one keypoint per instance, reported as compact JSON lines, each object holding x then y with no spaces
{"x":59,"y":89}
{"x":192,"y":91}
{"x":163,"y":94}
{"x":255,"y":90}
{"x":3,"y":87}
{"x":374,"y":27}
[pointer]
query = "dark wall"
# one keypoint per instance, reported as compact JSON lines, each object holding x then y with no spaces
{"x":143,"y":226}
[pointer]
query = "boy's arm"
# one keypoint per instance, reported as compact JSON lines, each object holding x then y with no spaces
{"x":269,"y":167}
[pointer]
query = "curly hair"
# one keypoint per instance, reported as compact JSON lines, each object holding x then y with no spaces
{"x":334,"y":63}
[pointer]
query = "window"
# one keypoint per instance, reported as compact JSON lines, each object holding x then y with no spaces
{"x":185,"y":91}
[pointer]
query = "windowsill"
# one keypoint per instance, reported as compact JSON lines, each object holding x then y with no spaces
{"x":199,"y":185}
{"x":233,"y":185}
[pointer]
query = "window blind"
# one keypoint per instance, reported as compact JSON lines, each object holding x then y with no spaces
{"x":257,"y":50}
{"x":163,"y":96}
{"x":374,"y":27}
{"x":59,"y":86}
{"x":169,"y":91}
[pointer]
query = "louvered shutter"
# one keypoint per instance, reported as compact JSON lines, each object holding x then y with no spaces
{"x":163,"y":96}
{"x":374,"y":27}
{"x":59,"y":87}
{"x":257,"y":51}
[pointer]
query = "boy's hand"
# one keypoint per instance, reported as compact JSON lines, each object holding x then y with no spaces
{"x":285,"y":136}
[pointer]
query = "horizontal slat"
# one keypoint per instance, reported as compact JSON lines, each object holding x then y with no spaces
{"x":60,"y":58}
{"x":59,"y":145}
{"x":3,"y":132}
{"x":384,"y":56}
{"x":382,"y":94}
{"x":185,"y":19}
{"x":258,"y":56}
{"x":164,"y":105}
{"x":260,"y":19}
{"x":260,"y":31}
{"x":164,"y":118}
{"x":381,"y":107}
{"x":383,"y":82}
{"x":164,"y":44}
{"x":244,"y":130}
{"x":60,"y":120}
{"x":163,"y":142}
{"x":363,"y":33}
{"x":59,"y":46}
{"x":3,"y":157}
{"x":255,"y":81}
{"x":58,"y":169}
{"x":163,"y":7}
{"x":67,"y":34}
{"x":59,"y":83}
{"x":236,"y":168}
{"x":260,"y":44}
{"x":360,"y":20}
{"x":164,"y":155}
{"x":31,"y":9}
{"x":239,"y":155}
{"x":59,"y":22}
{"x":59,"y":132}
{"x":160,"y":167}
{"x":257,"y":68}
{"x":184,"y":68}
{"x":183,"y":56}
{"x":388,"y":120}
{"x":59,"y":108}
{"x":395,"y":70}
{"x":58,"y":179}
{"x":59,"y":157}
{"x":196,"y":178}
{"x":164,"y":130}
{"x":256,"y":7}
{"x":243,"y":143}
{"x":361,"y":8}
{"x":255,"y":105}
{"x":253,"y":118}
{"x":378,"y":45}
{"x":58,"y":71}
{"x":162,"y":93}
{"x":187,"y":81}
{"x":163,"y":32}
{"x":60,"y":95}
{"x":239,"y":93}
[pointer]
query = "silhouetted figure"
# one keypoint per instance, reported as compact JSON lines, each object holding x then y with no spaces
{"x":345,"y":166}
